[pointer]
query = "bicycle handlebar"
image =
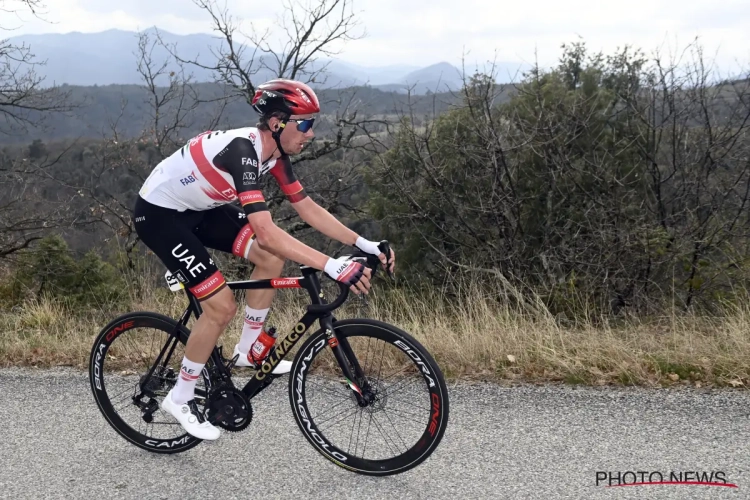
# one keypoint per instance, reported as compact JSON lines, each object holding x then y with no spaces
{"x":371,"y":261}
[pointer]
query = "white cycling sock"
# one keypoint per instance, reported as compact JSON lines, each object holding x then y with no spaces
{"x":254,"y":319}
{"x":184,"y":390}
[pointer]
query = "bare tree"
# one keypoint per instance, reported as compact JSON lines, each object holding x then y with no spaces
{"x":172,"y":100}
{"x":311,"y":30}
{"x":24,"y":100}
{"x":26,"y":215}
{"x":30,"y":207}
{"x":120,"y":166}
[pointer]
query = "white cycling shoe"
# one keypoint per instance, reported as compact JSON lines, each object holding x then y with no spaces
{"x":244,"y":362}
{"x":190,"y":418}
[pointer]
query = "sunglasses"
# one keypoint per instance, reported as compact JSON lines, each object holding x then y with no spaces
{"x":304,"y":125}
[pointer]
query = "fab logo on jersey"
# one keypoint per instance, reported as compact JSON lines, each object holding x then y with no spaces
{"x":187,"y":180}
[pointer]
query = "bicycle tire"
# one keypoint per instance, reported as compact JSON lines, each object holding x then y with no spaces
{"x":435,"y":422}
{"x":97,"y":359}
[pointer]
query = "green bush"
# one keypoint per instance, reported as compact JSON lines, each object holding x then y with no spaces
{"x":51,"y":271}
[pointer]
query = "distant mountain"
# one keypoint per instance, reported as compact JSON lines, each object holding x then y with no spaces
{"x":110,"y":57}
{"x":368,"y":75}
{"x":441,"y":77}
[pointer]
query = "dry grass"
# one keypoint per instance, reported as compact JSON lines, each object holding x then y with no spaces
{"x":472,"y":337}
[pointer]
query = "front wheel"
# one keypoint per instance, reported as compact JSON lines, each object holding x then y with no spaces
{"x":387,"y":421}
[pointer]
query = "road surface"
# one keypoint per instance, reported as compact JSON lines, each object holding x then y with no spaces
{"x":502,"y":442}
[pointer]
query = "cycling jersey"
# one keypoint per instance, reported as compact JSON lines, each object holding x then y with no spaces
{"x":215,"y":168}
{"x":183,"y":207}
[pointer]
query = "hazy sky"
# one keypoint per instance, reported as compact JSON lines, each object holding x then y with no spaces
{"x":422,"y":32}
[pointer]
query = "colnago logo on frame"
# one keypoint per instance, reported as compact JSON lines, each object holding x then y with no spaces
{"x":611,"y":479}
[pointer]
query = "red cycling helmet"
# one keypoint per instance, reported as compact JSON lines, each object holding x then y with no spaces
{"x":290,"y":96}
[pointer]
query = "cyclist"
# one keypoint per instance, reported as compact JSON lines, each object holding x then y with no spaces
{"x":185,"y":206}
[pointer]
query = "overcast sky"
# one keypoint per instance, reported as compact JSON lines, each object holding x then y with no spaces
{"x":422,"y":32}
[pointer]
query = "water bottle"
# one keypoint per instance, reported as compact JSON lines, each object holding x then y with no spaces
{"x":263,"y":345}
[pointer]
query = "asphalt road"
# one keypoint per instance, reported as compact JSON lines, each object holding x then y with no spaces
{"x":502,"y":442}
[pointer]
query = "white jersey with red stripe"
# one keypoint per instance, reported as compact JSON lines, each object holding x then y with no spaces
{"x":215,"y":168}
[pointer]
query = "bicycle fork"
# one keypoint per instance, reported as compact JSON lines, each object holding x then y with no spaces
{"x":348,"y":362}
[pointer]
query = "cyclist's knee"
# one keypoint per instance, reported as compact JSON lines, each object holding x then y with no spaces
{"x":221,"y":308}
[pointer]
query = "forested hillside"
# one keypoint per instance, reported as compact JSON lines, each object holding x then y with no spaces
{"x":97,"y":110}
{"x":609,"y":184}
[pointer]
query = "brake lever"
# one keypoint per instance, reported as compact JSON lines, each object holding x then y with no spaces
{"x":385,"y":247}
{"x":373,"y":262}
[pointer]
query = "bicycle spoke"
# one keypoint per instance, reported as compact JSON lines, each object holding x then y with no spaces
{"x":339,"y":413}
{"x":421,"y":423}
{"x":120,"y":396}
{"x":123,"y":406}
{"x":380,"y":369}
{"x":354,"y":423}
{"x":139,"y":354}
{"x":396,"y":430}
{"x":331,"y":408}
{"x":401,"y":371}
{"x":385,"y":437}
{"x":351,"y":411}
{"x":422,"y":409}
{"x":401,"y":385}
{"x":367,"y":356}
{"x":364,"y":448}
{"x":330,"y":391}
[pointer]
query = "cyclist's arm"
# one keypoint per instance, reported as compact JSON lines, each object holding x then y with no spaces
{"x":322,"y":220}
{"x":272,"y":238}
{"x":316,"y":216}
{"x":241,"y":161}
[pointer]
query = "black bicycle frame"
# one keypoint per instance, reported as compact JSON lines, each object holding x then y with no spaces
{"x":318,"y":310}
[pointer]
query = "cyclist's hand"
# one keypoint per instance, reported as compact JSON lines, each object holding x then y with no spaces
{"x":371,"y":247}
{"x":350,"y":272}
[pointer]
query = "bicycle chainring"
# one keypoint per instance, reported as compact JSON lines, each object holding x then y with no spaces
{"x":229,"y":408}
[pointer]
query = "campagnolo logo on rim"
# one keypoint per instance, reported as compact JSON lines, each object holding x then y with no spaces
{"x":301,"y":403}
{"x":168,"y":444}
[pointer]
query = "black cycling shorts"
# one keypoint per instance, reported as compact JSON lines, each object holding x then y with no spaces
{"x":180,"y":240}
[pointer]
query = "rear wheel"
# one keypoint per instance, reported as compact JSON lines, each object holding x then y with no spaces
{"x":128,"y":396}
{"x":402,"y":414}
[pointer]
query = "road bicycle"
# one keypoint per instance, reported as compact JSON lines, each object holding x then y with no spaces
{"x":361,"y":370}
